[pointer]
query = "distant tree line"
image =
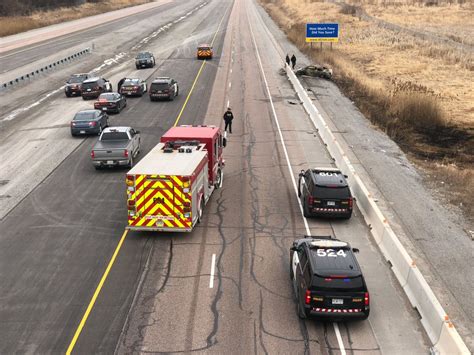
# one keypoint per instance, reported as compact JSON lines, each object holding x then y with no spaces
{"x":26,"y":7}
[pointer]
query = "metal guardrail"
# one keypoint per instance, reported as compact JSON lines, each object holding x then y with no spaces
{"x":437,"y":324}
{"x":35,"y":73}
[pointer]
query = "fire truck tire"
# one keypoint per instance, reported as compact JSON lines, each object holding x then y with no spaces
{"x":219,"y":179}
{"x":201,"y":207}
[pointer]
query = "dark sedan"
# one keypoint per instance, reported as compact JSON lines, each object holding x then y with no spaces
{"x":89,"y":122}
{"x":144,"y":60}
{"x":110,"y":102}
{"x":133,"y":87}
{"x":74,"y":84}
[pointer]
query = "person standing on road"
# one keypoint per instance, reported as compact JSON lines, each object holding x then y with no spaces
{"x":228,"y":117}
{"x":120,"y":83}
{"x":287,"y":59}
{"x":293,"y":61}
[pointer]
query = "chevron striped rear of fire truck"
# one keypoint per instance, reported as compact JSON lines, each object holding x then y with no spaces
{"x":159,"y":202}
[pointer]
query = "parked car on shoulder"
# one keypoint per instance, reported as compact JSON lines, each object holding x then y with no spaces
{"x":74,"y":84}
{"x":93,"y":87}
{"x":133,"y":87}
{"x":117,"y":146}
{"x":145,"y":60}
{"x":111,"y":102}
{"x":89,"y":122}
{"x":204,"y":51}
{"x":163,"y":88}
{"x":324,"y":192}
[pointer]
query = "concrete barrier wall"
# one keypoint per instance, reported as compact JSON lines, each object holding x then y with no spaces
{"x":43,"y":69}
{"x":442,"y":333}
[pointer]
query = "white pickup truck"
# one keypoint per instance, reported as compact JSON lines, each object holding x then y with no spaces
{"x":117,"y":146}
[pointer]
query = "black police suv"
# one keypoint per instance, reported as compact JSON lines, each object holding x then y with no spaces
{"x":93,"y":87}
{"x":163,"y":88}
{"x":74,"y":84}
{"x":324,"y":192}
{"x":327,"y":280}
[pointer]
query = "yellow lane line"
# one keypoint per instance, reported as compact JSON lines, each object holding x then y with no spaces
{"x":96,"y":294}
{"x":189,"y":95}
{"x":125,"y":233}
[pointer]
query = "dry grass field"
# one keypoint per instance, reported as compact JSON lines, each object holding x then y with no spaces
{"x":418,"y":90}
{"x":17,"y":24}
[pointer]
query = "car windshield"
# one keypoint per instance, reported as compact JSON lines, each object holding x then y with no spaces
{"x":114,"y":136}
{"x":108,"y":97}
{"x":131,"y":82}
{"x":341,"y":192}
{"x":85,"y":116}
{"x":143,"y":56}
{"x":76,"y":79}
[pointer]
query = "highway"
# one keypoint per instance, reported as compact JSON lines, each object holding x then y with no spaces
{"x":223,"y":288}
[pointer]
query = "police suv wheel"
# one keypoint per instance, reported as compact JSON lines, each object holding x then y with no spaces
{"x":300,"y":310}
{"x":305,"y":211}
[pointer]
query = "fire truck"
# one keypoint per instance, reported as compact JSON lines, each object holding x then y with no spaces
{"x":168,"y":189}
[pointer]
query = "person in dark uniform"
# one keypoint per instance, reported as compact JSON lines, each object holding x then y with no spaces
{"x":120,"y":83}
{"x":293,"y":61}
{"x":228,"y":117}
{"x":287,"y":59}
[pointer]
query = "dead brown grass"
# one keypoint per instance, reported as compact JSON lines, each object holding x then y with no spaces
{"x":18,"y":24}
{"x":417,"y":91}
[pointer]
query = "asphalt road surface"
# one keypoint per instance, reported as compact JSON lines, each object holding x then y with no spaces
{"x":225,"y":287}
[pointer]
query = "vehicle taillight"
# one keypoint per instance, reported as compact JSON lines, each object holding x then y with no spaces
{"x":310,"y":200}
{"x":307,"y":299}
{"x":125,"y":153}
{"x":93,"y":123}
{"x":186,"y":207}
{"x":92,"y":154}
{"x":185,"y":180}
{"x":135,"y":87}
{"x":129,"y":180}
{"x":366,"y":299}
{"x":73,"y":123}
{"x":350,"y":202}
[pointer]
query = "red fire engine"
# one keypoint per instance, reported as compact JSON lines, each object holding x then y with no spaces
{"x":168,"y":189}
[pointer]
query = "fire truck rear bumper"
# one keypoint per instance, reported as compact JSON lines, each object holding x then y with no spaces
{"x":159,"y":229}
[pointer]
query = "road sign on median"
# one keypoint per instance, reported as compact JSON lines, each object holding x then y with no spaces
{"x":322,"y":32}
